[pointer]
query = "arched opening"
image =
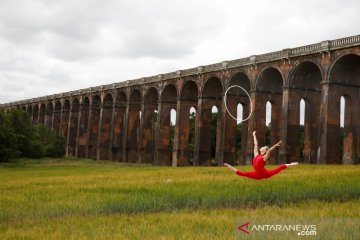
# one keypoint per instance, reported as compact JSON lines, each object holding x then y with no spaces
{"x":133,"y":126}
{"x":186,"y":124}
{"x":168,"y":102}
{"x":84,"y":129}
{"x":269,"y":88}
{"x":302,"y":130}
{"x":303,"y":123}
{"x":191,"y":143}
{"x":268,"y":122}
{"x":214,"y":123}
{"x":172,"y":130}
{"x":346,"y":73}
{"x":342,"y":120}
{"x":240,"y":132}
{"x":119,"y":130}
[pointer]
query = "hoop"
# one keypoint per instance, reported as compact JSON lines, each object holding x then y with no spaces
{"x":225,"y":96}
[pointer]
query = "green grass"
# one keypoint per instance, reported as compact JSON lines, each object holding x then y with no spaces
{"x":82,"y":199}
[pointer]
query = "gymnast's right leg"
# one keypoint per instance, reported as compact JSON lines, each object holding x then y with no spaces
{"x":252,"y":175}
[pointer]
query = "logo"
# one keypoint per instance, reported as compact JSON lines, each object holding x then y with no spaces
{"x":244,"y":228}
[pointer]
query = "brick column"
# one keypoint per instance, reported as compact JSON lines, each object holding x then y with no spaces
{"x":104,"y":131}
{"x":181,"y":136}
{"x":83,"y":135}
{"x":132,"y":133}
{"x":329,"y":126}
{"x":118,"y":133}
{"x":73,"y":129}
{"x":148,"y":134}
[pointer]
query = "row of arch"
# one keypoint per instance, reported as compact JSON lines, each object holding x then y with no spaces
{"x":134,"y":126}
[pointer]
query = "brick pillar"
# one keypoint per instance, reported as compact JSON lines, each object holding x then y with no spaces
{"x":83,"y":135}
{"x":244,"y":135}
{"x":94,"y":130}
{"x":229,"y":131}
{"x":349,"y":141}
{"x":118,"y":133}
{"x":311,"y":126}
{"x":181,"y":137}
{"x":163,"y":140}
{"x":65,"y":124}
{"x":275,"y":134}
{"x":202,"y":148}
{"x":257,"y":122}
{"x":148,"y":134}
{"x":132,"y":133}
{"x":329,"y":126}
{"x":290,"y":127}
{"x":73,"y":129}
{"x":49,"y":119}
{"x":104,"y":131}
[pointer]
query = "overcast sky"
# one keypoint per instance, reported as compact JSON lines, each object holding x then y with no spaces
{"x":48,"y":47}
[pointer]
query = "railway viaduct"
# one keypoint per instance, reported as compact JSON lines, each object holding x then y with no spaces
{"x":130,"y":121}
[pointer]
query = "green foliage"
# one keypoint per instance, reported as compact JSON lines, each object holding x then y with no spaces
{"x":19,"y":138}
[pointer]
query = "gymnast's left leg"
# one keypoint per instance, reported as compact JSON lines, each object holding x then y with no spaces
{"x":280,"y":168}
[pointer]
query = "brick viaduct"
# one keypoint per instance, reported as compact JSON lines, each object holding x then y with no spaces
{"x":130,"y":121}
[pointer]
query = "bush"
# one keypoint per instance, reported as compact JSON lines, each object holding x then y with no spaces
{"x":19,"y":138}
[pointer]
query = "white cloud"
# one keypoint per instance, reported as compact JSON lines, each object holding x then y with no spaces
{"x":49,"y":47}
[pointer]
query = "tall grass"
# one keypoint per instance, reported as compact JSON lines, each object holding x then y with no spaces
{"x":65,"y":188}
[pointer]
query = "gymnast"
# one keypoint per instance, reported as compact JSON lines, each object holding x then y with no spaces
{"x":259,"y":163}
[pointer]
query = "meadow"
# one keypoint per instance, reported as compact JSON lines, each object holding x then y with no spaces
{"x":86,"y":199}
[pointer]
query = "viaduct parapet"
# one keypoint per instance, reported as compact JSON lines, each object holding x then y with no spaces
{"x":130,"y":121}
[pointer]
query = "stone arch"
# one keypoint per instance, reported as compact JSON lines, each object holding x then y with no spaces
{"x":211,"y":96}
{"x":345,"y":73}
{"x":304,"y":83}
{"x":168,"y":100}
{"x":189,"y":91}
{"x":233,"y":137}
{"x":188,"y":98}
{"x":346,"y":70}
{"x":269,"y":87}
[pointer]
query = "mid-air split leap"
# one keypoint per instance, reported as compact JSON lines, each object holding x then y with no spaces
{"x":259,"y":163}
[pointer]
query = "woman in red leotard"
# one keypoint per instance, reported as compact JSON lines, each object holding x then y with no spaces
{"x":259,"y":163}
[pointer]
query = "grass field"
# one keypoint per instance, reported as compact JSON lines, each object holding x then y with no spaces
{"x":85,"y":199}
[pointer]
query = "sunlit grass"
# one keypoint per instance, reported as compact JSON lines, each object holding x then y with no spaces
{"x":76,"y":199}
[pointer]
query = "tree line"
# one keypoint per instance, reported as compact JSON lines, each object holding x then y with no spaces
{"x":19,"y":138}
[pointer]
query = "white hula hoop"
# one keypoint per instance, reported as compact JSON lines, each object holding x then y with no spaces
{"x":225,"y":96}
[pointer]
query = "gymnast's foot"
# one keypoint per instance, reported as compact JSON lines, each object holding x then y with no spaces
{"x":292,"y":164}
{"x":230,"y":167}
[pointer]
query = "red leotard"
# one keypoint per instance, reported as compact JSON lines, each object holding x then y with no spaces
{"x":260,"y":171}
